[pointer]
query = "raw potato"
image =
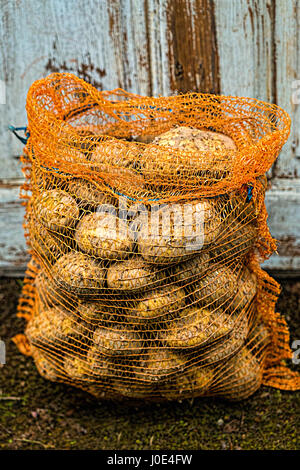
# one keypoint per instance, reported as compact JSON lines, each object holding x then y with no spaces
{"x":119,"y":154}
{"x":56,"y":210}
{"x":229,"y":346}
{"x":104,"y":367}
{"x":217,"y":287}
{"x":47,"y":245}
{"x":192,"y":269}
{"x":88,"y":196}
{"x":197,"y":327}
{"x":117,"y":163}
{"x":175,"y":232}
{"x":133,"y":275}
{"x":88,"y":140}
{"x":193,"y":383}
{"x":259,"y":336}
{"x":241,"y":377}
{"x":45,"y":367}
{"x":145,"y":138}
{"x":235,"y":242}
{"x":55,"y":325}
{"x":44,"y":179}
{"x":104,"y":236}
{"x":77,"y":368}
{"x":225,"y":284}
{"x":246,"y":292}
{"x":195,"y":140}
{"x":166,"y":300}
{"x":49,"y":295}
{"x":79,"y":274}
{"x":206,"y":154}
{"x":118,"y":341}
{"x":61,"y":156}
{"x":160,"y":365}
{"x":100,"y":312}
{"x":133,"y":390}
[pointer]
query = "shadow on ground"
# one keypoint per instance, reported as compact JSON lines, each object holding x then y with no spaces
{"x":43,"y":415}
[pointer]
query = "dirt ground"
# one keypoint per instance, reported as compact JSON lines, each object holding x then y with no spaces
{"x":37,"y":414}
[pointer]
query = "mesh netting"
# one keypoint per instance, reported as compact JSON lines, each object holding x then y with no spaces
{"x":146,"y":223}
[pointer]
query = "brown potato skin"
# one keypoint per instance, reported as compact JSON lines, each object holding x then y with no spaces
{"x":56,"y":210}
{"x":104,"y":236}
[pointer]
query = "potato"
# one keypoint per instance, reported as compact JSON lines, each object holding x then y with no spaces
{"x":118,"y":341}
{"x":225,"y":284}
{"x":60,"y":154}
{"x":100,"y":312}
{"x":88,"y":196}
{"x":159,"y":365}
{"x":240,"y":377}
{"x":44,"y":179}
{"x":104,"y":367}
{"x":118,"y":153}
{"x":229,"y":345}
{"x":47,"y":245}
{"x":50,"y":295}
{"x":46,"y":366}
{"x":236,"y":241}
{"x":117,"y":162}
{"x":259,"y":336}
{"x":196,"y":327}
{"x":192,"y":269}
{"x":56,"y":210}
{"x":247,"y":285}
{"x":145,"y":138}
{"x":133,"y":275}
{"x":55,"y":325}
{"x":79,"y":274}
{"x":175,"y":232}
{"x":196,"y":140}
{"x":167,"y":300}
{"x":208,"y":155}
{"x":87,"y":140}
{"x":104,"y":236}
{"x":77,"y":368}
{"x":133,"y":390}
{"x":192,"y":383}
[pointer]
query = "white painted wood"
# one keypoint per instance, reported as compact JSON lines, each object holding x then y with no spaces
{"x":13,"y":254}
{"x":259,"y":52}
{"x":283,"y":203}
{"x":244,"y":36}
{"x":287,"y":47}
{"x":103,"y":42}
{"x":158,"y":47}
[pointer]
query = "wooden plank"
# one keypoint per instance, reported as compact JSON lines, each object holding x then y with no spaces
{"x":283,"y":202}
{"x":156,"y":24}
{"x":192,"y":46}
{"x":287,"y":47}
{"x":103,"y":42}
{"x":13,"y":254}
{"x":244,"y":37}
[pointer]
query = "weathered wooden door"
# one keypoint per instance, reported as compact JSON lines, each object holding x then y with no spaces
{"x":235,"y":47}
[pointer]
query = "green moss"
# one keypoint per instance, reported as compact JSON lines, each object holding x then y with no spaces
{"x":56,"y":416}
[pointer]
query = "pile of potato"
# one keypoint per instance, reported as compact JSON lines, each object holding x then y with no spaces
{"x":127,"y":309}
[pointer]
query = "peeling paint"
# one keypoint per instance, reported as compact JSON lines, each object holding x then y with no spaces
{"x":192,"y":46}
{"x":85,"y":70}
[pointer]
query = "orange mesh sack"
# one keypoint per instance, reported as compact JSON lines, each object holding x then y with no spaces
{"x":146,"y":222}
